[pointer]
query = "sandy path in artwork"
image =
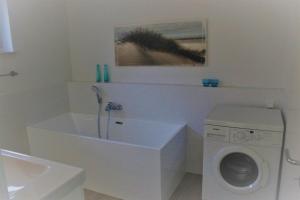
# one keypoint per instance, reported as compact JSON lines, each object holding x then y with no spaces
{"x":130,"y":54}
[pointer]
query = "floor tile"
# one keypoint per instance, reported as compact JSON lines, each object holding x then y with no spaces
{"x":91,"y":195}
{"x":189,"y":189}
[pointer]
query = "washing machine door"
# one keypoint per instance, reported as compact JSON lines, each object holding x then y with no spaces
{"x":240,"y":170}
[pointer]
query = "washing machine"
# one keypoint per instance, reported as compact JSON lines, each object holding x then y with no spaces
{"x":242,"y":153}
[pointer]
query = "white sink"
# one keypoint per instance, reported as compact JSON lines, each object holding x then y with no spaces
{"x":30,"y":178}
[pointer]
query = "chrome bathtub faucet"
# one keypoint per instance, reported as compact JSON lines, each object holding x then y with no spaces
{"x":113,"y":106}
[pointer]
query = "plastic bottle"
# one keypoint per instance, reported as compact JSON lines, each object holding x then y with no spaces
{"x":106,"y":78}
{"x":98,"y":73}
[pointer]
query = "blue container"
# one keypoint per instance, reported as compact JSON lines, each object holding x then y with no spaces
{"x":210,"y":82}
{"x":206,"y":82}
{"x":214,"y":82}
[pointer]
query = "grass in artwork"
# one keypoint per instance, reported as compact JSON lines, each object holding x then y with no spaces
{"x":150,"y":40}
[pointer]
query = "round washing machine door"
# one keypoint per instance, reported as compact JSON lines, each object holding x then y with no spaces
{"x":240,"y":170}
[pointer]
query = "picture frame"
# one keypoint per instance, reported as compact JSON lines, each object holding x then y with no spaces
{"x":162,"y":44}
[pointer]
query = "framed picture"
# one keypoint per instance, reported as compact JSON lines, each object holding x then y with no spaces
{"x":166,"y":44}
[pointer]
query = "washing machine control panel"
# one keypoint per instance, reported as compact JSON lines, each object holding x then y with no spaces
{"x":243,"y":136}
{"x":255,"y":137}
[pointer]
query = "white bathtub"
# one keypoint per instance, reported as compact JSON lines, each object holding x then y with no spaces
{"x":143,"y":160}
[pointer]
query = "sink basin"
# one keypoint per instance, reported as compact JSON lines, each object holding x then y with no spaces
{"x":21,"y":172}
{"x":30,"y":178}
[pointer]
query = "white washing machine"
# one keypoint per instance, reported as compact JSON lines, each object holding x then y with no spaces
{"x":242,"y":153}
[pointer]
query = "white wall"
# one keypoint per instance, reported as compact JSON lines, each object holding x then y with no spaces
{"x":246,"y":39}
{"x":40,"y":39}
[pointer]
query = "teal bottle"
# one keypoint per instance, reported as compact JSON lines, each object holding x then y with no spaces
{"x":106,"y":78}
{"x":98,"y":73}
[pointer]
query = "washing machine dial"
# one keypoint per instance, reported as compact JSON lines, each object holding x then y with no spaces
{"x":241,"y":137}
{"x":258,"y":137}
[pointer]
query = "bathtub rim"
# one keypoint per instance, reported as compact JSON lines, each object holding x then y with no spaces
{"x":159,"y":148}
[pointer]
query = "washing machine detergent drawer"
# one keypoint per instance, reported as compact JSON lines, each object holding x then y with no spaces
{"x":217,"y":133}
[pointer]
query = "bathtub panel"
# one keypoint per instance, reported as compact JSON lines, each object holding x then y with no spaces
{"x":152,"y":134}
{"x":120,"y":170}
{"x":173,"y":159}
{"x":142,"y":132}
{"x":76,"y":194}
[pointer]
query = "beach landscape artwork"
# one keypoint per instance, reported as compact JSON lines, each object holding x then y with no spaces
{"x":166,"y":44}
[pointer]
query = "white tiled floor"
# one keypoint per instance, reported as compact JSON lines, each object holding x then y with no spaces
{"x":189,"y":189}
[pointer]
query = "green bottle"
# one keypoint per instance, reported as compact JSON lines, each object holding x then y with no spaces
{"x":98,"y":73}
{"x":106,"y":74}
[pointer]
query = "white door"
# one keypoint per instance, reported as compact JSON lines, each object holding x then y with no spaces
{"x":290,"y":178}
{"x":3,"y":185}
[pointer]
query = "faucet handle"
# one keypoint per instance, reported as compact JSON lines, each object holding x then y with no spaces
{"x":119,"y":107}
{"x":113,"y":106}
